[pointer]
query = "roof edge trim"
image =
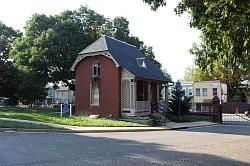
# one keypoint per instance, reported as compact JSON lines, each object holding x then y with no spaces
{"x":82,"y":56}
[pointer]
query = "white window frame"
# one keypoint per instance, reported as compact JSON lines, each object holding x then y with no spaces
{"x":204,"y":92}
{"x":143,"y":64}
{"x":215,"y":91}
{"x":190,"y":92}
{"x":98,"y":69}
{"x":197,"y":90}
{"x":93,"y":103}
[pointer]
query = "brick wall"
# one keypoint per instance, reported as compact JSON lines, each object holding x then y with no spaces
{"x":109,"y":87}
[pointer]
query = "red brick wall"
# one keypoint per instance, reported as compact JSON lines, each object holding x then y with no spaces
{"x":109,"y":87}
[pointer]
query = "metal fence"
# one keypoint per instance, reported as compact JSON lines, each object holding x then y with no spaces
{"x":235,"y":118}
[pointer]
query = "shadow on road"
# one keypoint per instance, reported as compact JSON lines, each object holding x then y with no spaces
{"x":41,"y":149}
{"x":237,"y":129}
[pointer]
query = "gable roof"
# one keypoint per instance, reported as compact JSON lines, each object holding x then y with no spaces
{"x":125,"y":55}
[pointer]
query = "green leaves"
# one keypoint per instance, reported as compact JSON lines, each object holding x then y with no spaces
{"x":8,"y":72}
{"x":176,"y":102}
{"x":9,"y":82}
{"x":224,"y":49}
{"x":7,"y":36}
{"x":121,"y":29}
{"x":155,"y":4}
{"x":51,"y":43}
{"x":225,"y":41}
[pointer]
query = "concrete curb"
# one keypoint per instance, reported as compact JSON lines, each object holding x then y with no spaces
{"x":187,"y":127}
{"x":77,"y":129}
{"x":9,"y":130}
{"x":120,"y":130}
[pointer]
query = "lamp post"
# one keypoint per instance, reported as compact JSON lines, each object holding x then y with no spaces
{"x":178,"y":88}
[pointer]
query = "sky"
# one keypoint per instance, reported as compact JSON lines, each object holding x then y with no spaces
{"x":168,"y":34}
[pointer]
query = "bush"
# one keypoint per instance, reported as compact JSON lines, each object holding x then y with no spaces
{"x":185,"y":104}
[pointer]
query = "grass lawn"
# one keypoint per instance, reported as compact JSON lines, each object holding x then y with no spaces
{"x":11,"y":124}
{"x":53,"y":116}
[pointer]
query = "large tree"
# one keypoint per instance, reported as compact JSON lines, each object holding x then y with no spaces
{"x":50,"y":44}
{"x":15,"y":84}
{"x":225,"y":38}
{"x":9,"y":82}
{"x":8,"y":72}
{"x":30,"y":89}
{"x":7,"y":36}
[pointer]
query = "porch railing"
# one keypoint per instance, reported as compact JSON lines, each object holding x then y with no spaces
{"x":163,"y":103}
{"x":163,"y":106}
{"x":142,"y":107}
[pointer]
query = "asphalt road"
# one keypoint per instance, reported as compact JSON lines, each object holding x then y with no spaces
{"x":213,"y":145}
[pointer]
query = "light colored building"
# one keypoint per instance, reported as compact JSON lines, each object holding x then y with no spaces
{"x":60,"y":95}
{"x":188,"y":88}
{"x":204,"y":91}
{"x":64,"y":94}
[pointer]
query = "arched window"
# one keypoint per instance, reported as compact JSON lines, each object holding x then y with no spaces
{"x":95,"y":96}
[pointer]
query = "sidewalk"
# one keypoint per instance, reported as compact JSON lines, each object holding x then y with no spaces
{"x":77,"y":129}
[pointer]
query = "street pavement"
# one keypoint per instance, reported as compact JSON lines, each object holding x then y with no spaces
{"x":209,"y":145}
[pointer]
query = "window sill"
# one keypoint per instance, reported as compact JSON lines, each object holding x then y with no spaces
{"x":95,"y":105}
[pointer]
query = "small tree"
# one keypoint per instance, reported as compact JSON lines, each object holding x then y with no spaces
{"x":179,"y":100}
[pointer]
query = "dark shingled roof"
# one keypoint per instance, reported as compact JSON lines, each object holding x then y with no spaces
{"x":125,"y":55}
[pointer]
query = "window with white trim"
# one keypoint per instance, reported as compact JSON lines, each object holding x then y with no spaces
{"x":142,"y":62}
{"x":96,"y":69}
{"x":204,"y":91}
{"x":95,"y":95}
{"x":190,"y":92}
{"x":214,"y":91}
{"x":197,"y":92}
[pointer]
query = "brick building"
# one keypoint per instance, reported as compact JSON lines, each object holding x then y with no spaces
{"x":113,"y":78}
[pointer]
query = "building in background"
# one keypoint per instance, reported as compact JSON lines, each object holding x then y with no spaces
{"x":188,"y":88}
{"x":64,"y":95}
{"x":59,"y":95}
{"x":204,"y":91}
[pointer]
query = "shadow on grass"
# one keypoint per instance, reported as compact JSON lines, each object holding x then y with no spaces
{"x":71,"y":149}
